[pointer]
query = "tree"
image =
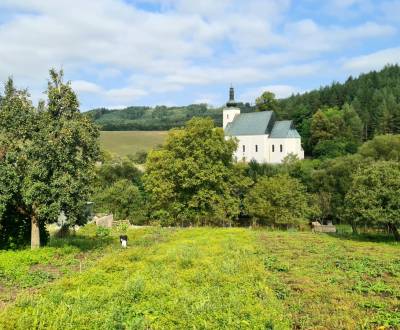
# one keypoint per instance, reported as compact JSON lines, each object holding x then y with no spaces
{"x":335,"y":132}
{"x":266,"y":102}
{"x":331,"y":182}
{"x":278,"y":201}
{"x":123,"y":199}
{"x":53,"y":152}
{"x":382,"y":147}
{"x":192,"y":179}
{"x":374,"y":196}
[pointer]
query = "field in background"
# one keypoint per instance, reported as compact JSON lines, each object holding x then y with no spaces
{"x":123,"y":143}
{"x":203,"y":278}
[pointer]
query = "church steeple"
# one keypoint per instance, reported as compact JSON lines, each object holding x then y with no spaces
{"x":231,"y":102}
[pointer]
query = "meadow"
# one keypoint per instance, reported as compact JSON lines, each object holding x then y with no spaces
{"x":124,"y":143}
{"x":202,"y":278}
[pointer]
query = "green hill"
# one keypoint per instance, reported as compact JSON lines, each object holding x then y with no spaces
{"x":375,"y":96}
{"x":159,"y":118}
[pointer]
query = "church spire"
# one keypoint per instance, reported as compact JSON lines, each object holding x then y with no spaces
{"x":231,"y":102}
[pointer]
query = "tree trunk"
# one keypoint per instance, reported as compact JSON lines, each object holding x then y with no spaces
{"x":354,"y":228}
{"x":35,"y":233}
{"x":394,"y":231}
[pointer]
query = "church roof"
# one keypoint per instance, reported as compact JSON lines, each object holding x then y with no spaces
{"x":284,"y":129}
{"x":254,"y":123}
{"x":260,"y":123}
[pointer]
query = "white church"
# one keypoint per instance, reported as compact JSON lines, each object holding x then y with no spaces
{"x":260,"y":136}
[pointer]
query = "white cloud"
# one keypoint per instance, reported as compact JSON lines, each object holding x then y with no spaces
{"x":104,"y":43}
{"x":125,"y":93}
{"x":83,"y":86}
{"x":280,"y":91}
{"x":373,"y":61}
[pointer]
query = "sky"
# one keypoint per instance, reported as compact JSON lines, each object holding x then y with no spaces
{"x":176,"y":52}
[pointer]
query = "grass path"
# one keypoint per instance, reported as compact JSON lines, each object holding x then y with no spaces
{"x":183,"y":279}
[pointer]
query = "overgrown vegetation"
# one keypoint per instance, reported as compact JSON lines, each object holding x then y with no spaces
{"x":204,"y":278}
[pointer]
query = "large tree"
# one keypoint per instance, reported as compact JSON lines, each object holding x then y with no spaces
{"x":51,"y":150}
{"x":374,"y":196}
{"x":192,"y":179}
{"x":278,"y":201}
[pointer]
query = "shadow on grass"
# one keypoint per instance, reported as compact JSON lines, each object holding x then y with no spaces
{"x":366,"y":237}
{"x":82,"y":242}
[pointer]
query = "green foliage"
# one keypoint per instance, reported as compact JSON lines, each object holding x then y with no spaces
{"x":114,"y":169}
{"x":47,"y":155}
{"x":159,"y":118}
{"x":335,"y":132}
{"x":191,"y":179}
{"x":279,"y":201}
{"x":103,"y":232}
{"x":266,"y":102}
{"x":374,"y":196}
{"x":373,"y":96}
{"x":122,"y":198}
{"x":382,"y":147}
{"x":139,"y":157}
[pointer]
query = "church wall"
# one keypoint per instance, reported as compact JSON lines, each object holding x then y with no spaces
{"x":259,"y":153}
{"x":289,"y":145}
{"x":228,"y":115}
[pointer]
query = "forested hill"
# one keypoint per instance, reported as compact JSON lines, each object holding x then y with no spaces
{"x":375,"y":96}
{"x":157,"y":118}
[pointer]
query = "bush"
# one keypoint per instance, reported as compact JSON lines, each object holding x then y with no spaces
{"x":102,"y":232}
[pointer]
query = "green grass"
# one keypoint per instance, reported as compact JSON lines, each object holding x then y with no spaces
{"x":203,"y":278}
{"x":123,"y":143}
{"x":334,"y":282}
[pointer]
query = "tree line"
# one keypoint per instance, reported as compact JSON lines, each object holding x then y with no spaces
{"x":192,"y":181}
{"x":50,"y":163}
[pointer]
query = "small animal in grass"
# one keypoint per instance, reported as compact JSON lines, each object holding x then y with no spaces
{"x":124,"y":241}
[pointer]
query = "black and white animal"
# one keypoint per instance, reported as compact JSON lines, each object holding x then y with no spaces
{"x":124,"y":240}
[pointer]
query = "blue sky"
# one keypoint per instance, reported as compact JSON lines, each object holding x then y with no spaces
{"x":175,"y":52}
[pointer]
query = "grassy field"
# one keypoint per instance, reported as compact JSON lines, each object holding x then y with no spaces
{"x":202,"y":278}
{"x":129,"y":142}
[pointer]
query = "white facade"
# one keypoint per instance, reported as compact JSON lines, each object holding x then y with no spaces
{"x":229,"y":115}
{"x":263,"y":149}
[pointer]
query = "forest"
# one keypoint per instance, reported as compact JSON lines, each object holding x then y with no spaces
{"x":370,"y":104}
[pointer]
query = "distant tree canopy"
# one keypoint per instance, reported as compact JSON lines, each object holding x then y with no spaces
{"x":332,"y":120}
{"x":47,"y":157}
{"x":266,"y":102}
{"x":157,"y":118}
{"x":374,"y":96}
{"x":192,"y":179}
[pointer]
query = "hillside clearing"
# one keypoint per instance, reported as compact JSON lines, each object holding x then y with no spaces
{"x":124,"y":143}
{"x":211,"y":279}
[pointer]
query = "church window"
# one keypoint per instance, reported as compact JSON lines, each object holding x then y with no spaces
{"x":244,"y":148}
{"x":281,"y":147}
{"x":273,"y":148}
{"x":227,"y":116}
{"x":256,"y":148}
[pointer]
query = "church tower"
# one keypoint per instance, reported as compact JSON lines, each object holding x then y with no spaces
{"x":231,"y":110}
